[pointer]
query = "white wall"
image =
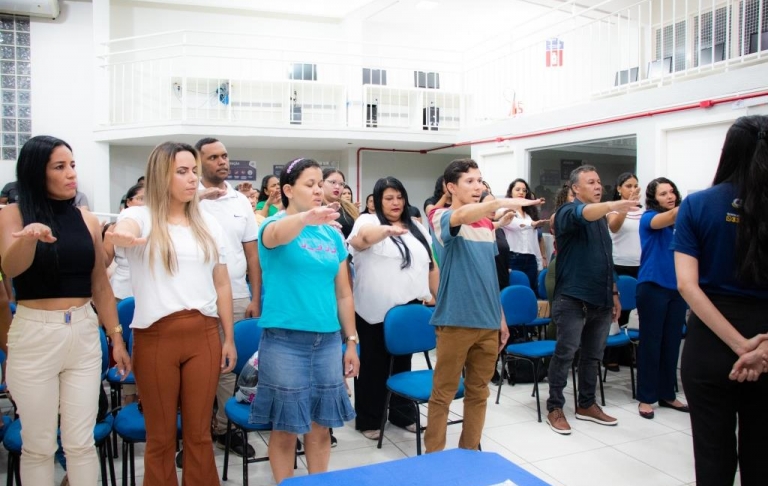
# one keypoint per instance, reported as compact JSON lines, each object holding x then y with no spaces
{"x":63,"y":92}
{"x":417,"y":172}
{"x":684,"y":146}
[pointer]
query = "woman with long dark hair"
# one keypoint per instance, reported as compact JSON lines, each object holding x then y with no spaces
{"x":52,"y":250}
{"x":721,"y":261}
{"x":307,"y":303}
{"x":269,"y":202}
{"x":179,"y":278}
{"x":522,"y":235}
{"x":660,"y":307}
{"x":393,"y":266}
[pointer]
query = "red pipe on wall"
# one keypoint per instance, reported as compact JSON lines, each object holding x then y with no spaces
{"x":605,"y":121}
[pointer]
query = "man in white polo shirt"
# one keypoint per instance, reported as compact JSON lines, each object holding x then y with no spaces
{"x":235,"y":214}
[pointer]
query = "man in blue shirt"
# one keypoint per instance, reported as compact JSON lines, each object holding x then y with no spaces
{"x":586,"y":299}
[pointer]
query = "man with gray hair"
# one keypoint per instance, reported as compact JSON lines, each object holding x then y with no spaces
{"x":586,"y":298}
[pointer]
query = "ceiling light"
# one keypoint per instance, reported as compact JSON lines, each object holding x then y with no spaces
{"x":427,"y":5}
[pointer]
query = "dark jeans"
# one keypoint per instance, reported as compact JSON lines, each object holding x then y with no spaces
{"x":718,"y":405}
{"x":526,"y":263}
{"x":371,"y":383}
{"x":579,"y":324}
{"x":662,"y":315}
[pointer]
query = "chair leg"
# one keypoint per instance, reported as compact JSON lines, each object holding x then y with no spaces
{"x":536,"y":386}
{"x":110,"y":458}
{"x":418,"y":431}
{"x":632,"y":377}
{"x":573,"y":381}
{"x":11,"y":471}
{"x":502,"y":358}
{"x":384,"y":418}
{"x":227,"y":441}
{"x":602,"y":392}
{"x":113,"y":399}
{"x":244,"y":437}
{"x":125,"y":463}
{"x":101,"y":451}
{"x":133,"y":464}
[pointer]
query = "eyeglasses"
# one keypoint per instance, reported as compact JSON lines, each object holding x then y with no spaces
{"x":335,"y":183}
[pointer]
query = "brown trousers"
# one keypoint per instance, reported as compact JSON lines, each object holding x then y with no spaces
{"x":459,"y":347}
{"x":177,"y":362}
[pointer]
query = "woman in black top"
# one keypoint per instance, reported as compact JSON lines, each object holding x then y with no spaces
{"x":52,"y":249}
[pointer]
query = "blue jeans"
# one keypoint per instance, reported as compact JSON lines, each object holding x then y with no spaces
{"x":662,"y":315}
{"x":578,"y":324}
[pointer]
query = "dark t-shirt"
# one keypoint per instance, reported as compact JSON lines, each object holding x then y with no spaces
{"x":706,"y":230}
{"x":11,"y":191}
{"x":584,"y":256}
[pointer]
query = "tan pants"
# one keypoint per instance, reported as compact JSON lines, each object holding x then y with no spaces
{"x":459,"y":347}
{"x":54,"y":367}
{"x":177,"y":361}
{"x":226,"y":388}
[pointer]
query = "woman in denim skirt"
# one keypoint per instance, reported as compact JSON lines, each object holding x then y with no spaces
{"x":307,"y":301}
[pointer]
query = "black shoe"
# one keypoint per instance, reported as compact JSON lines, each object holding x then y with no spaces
{"x":235,"y":444}
{"x":680,"y":408}
{"x":179,"y":458}
{"x":614,"y":367}
{"x":334,"y":442}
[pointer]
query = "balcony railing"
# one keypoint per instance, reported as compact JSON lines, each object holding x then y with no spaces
{"x":569,"y":55}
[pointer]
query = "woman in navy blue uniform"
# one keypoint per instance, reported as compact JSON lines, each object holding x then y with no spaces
{"x":721,"y":261}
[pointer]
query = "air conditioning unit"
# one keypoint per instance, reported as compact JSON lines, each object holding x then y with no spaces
{"x":34,"y":8}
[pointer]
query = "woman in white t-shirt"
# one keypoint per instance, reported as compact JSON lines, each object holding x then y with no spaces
{"x":181,"y":286}
{"x":393,"y":266}
{"x":625,"y":234}
{"x":522,"y":235}
{"x":121,"y":277}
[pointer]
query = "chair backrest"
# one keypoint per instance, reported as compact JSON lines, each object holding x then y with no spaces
{"x":543,"y":284}
{"x":2,"y":357}
{"x":519,"y":305}
{"x":516,"y":277}
{"x":407,"y":330}
{"x":12,"y":305}
{"x":125,"y":310}
{"x":627,"y":287}
{"x":247,"y":338}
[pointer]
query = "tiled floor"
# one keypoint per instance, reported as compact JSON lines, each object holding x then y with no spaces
{"x":637,"y":451}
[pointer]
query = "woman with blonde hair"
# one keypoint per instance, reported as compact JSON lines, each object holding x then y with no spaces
{"x":181,"y":286}
{"x":333,"y":187}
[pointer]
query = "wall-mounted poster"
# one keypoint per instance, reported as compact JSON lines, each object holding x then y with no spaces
{"x":549,"y":177}
{"x":242,"y":170}
{"x":277,"y":169}
{"x":567,"y":166}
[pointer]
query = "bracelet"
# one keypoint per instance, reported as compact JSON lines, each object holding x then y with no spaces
{"x":115,"y":330}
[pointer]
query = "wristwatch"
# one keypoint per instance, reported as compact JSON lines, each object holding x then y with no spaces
{"x":353,"y":338}
{"x":115,"y":330}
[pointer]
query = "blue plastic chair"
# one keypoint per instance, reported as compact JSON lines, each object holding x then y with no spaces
{"x":520,"y":307}
{"x":542,"y":285}
{"x":12,"y":436}
{"x":407,"y":331}
{"x":627,"y":287}
{"x":247,"y":338}
{"x":516,"y":277}
{"x":125,"y":310}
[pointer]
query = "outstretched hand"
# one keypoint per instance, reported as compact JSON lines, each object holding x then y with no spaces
{"x":623,"y":206}
{"x":320,"y":215}
{"x":211,"y":193}
{"x":36,"y":231}
{"x":125,"y":239}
